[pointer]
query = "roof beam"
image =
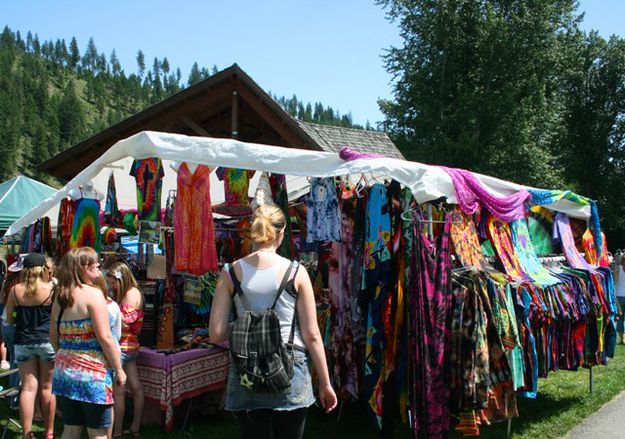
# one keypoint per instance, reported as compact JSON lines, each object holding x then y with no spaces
{"x":197,"y":129}
{"x":276,"y":122}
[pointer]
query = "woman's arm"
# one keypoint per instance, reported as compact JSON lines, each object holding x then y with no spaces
{"x":100,"y":318}
{"x":218,"y":328}
{"x":54,"y":335}
{"x":134,"y":298}
{"x":307,"y":314}
{"x":10,"y":306}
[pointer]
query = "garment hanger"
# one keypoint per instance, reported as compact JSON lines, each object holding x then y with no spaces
{"x":361,"y":185}
{"x":406,"y":215}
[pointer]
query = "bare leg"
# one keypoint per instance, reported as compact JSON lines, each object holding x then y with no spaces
{"x":3,"y":351}
{"x":132,"y":380}
{"x":96,"y":433}
{"x":72,"y":431}
{"x":48,"y":400}
{"x":119,"y":406}
{"x":29,"y":371}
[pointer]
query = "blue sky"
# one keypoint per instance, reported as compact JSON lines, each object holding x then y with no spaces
{"x":321,"y":50}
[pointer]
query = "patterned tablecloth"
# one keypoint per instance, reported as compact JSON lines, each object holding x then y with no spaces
{"x":167,"y":380}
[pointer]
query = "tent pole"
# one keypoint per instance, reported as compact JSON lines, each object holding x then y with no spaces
{"x":235,"y":115}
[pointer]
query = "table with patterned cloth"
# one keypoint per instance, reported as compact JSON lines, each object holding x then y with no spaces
{"x":169,"y":379}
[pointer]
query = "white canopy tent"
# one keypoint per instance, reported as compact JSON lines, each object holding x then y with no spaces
{"x":426,"y":182}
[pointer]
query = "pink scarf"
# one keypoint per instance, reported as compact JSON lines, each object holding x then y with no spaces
{"x":470,"y":195}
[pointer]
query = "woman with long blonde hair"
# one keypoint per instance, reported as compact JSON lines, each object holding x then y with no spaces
{"x":257,"y":277}
{"x":87,"y":359}
{"x":28,"y":307}
{"x":130,"y":301}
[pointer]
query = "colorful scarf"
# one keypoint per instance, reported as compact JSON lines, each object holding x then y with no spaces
{"x":470,"y":195}
{"x":542,"y":196}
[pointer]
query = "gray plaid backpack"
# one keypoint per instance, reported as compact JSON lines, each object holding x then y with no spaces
{"x":264,"y":362}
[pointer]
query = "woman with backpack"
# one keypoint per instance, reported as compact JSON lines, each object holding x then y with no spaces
{"x":256,"y":283}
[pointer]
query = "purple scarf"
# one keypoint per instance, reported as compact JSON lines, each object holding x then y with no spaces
{"x":470,"y":194}
{"x":349,"y":154}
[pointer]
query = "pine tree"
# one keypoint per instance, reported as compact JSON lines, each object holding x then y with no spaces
{"x":74,"y":54}
{"x":36,"y":45}
{"x":90,"y":58}
{"x":29,"y":41}
{"x":194,"y":76}
{"x":116,"y":68}
{"x":141,"y":63}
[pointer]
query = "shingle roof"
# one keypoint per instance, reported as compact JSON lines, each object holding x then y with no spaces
{"x":332,"y":139}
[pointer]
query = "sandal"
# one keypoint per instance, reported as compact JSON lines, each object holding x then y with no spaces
{"x":133,"y":433}
{"x":49,"y":435}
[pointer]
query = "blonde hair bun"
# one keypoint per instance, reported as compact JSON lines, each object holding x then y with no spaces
{"x":267,"y":223}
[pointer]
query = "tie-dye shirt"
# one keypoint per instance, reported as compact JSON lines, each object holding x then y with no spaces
{"x":236,"y":185}
{"x":148,"y":174}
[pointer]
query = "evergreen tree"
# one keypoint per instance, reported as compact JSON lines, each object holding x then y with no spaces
{"x":141,"y":63}
{"x":36,"y":45}
{"x":116,"y":68}
{"x":74,"y":54}
{"x":90,"y":58}
{"x":194,"y":76}
{"x":29,"y":41}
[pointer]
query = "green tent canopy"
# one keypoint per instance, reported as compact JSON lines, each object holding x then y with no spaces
{"x":18,"y":195}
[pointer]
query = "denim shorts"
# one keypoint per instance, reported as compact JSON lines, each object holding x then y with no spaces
{"x":128,"y":356}
{"x":298,"y":396}
{"x":88,"y":414}
{"x":26,"y":352}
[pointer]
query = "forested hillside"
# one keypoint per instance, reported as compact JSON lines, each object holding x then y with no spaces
{"x":53,"y":95}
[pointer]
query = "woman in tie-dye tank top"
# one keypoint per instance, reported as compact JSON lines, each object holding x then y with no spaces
{"x":87,"y":355}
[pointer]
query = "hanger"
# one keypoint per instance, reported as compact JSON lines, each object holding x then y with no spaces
{"x":361,"y":185}
{"x":455,"y":218}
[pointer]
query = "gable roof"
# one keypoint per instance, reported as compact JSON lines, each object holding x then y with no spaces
{"x":228,"y":104}
{"x":332,"y":139}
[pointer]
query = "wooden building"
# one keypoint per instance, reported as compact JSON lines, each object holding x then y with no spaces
{"x":228,"y":104}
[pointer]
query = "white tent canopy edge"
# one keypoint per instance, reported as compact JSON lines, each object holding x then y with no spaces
{"x":426,"y":182}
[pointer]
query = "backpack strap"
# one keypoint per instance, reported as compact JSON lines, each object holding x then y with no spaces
{"x":288,"y":275}
{"x":229,"y":268}
{"x":290,"y":344}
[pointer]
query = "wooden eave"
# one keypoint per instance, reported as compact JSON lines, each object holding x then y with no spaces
{"x":203,"y":109}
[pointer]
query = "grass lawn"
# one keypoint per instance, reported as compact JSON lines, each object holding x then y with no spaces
{"x":563,"y":401}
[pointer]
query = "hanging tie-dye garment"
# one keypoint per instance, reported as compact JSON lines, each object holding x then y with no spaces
{"x":590,"y":251}
{"x":64,"y":226}
{"x":466,"y":243}
{"x":236,"y":187}
{"x":526,"y":255}
{"x":148,"y":174}
{"x":501,"y":238}
{"x":341,"y":303}
{"x":193,"y":222}
{"x":376,"y":278}
{"x":431,"y":301}
{"x":323,"y":217}
{"x":86,"y":226}
{"x":111,"y":211}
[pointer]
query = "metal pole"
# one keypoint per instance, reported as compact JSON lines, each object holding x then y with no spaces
{"x":430,"y":224}
{"x":509,"y":429}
